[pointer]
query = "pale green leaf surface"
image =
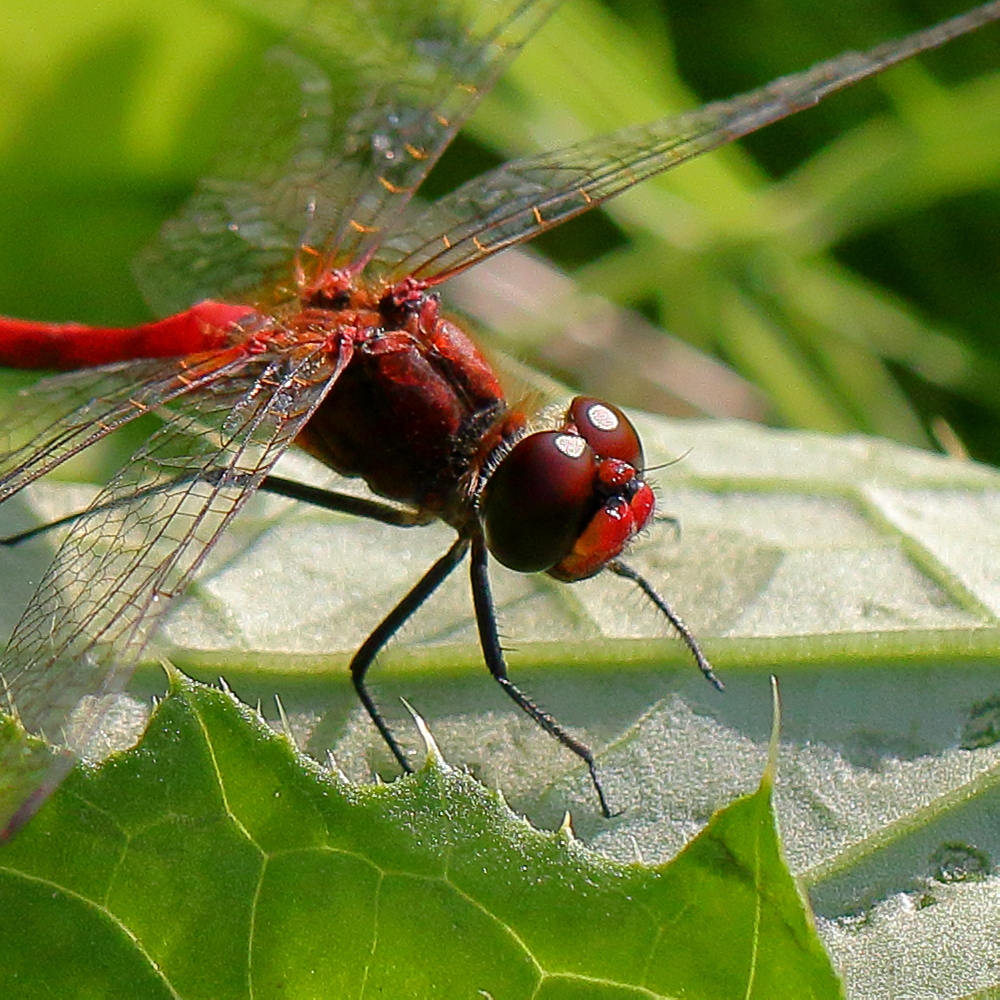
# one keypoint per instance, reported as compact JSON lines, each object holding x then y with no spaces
{"x":793,"y":538}
{"x":858,"y":571}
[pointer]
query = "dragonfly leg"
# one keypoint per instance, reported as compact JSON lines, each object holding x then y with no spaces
{"x":24,"y":536}
{"x":493,"y":653}
{"x":627,"y":573}
{"x":343,"y":503}
{"x":674,"y":523}
{"x":327,"y":499}
{"x":391,"y":624}
{"x":211,"y":476}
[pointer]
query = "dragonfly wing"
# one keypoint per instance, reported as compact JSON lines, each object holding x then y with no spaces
{"x":95,"y":402}
{"x":340,"y":128}
{"x":525,"y":197}
{"x":145,"y":536}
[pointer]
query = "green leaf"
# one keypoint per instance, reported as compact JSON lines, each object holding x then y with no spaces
{"x":212,"y":861}
{"x":792,"y":547}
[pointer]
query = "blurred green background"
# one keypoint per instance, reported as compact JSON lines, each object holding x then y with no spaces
{"x":845,"y":262}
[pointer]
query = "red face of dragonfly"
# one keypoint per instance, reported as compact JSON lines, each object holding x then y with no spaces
{"x":298,"y":285}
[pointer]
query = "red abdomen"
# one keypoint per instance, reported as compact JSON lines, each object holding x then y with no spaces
{"x":69,"y":346}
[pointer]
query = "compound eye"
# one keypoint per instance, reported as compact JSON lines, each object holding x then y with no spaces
{"x":536,"y":502}
{"x":607,"y":430}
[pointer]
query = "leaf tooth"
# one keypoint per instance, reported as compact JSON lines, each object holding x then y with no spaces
{"x":286,"y":727}
{"x":434,"y":755}
{"x":336,"y":771}
{"x":565,"y":832}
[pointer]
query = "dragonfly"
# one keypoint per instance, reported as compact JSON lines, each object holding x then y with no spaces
{"x":299,"y":290}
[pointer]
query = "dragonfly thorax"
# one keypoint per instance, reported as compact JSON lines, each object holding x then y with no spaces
{"x":416,"y":410}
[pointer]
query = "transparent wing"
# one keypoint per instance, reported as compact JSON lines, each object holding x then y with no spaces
{"x":145,"y":536}
{"x":94,"y":403}
{"x":340,"y":128}
{"x":525,"y":197}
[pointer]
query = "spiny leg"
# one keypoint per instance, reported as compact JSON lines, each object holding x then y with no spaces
{"x":626,"y":572}
{"x":391,"y":624}
{"x":343,"y":503}
{"x":493,"y":653}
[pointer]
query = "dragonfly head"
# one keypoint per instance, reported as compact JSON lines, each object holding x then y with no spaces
{"x":568,"y":501}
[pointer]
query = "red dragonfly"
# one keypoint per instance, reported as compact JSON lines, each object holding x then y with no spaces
{"x":298,"y":285}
